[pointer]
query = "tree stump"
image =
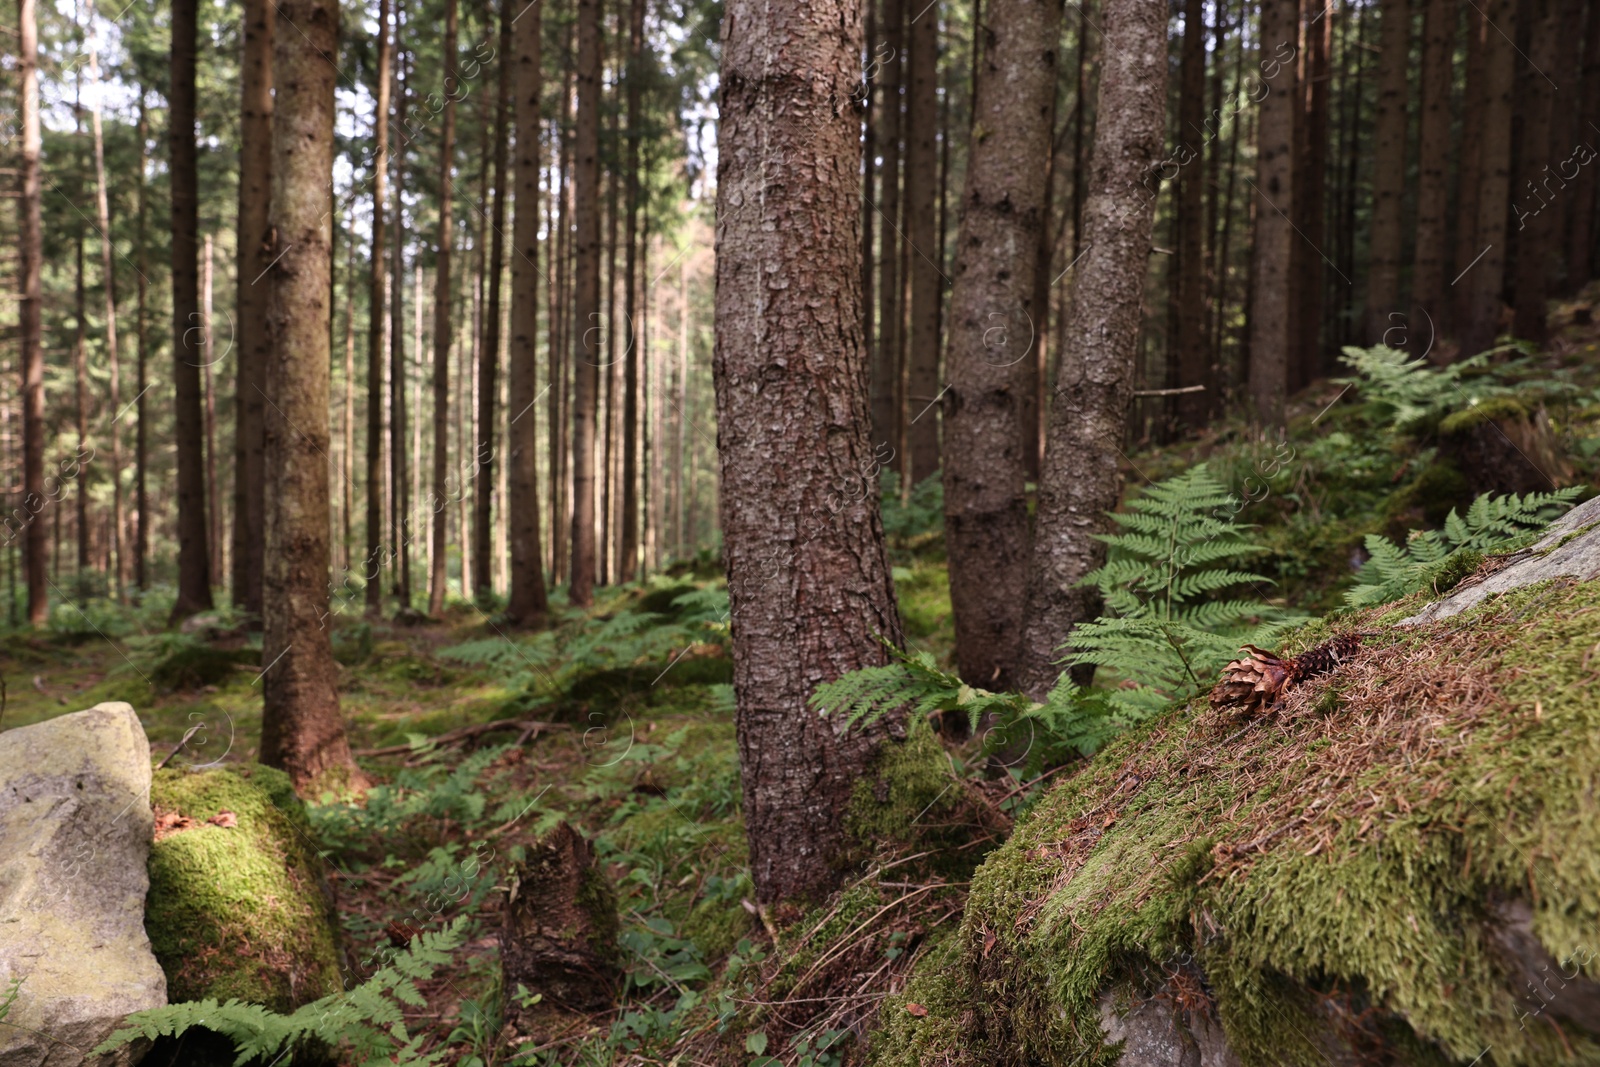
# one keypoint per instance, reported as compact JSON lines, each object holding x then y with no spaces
{"x":560,"y":933}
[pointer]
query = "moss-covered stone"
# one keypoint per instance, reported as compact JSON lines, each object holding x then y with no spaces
{"x":1332,"y":870}
{"x":243,"y":911}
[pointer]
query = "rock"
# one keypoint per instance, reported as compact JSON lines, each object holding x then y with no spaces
{"x":560,"y":932}
{"x":75,"y":826}
{"x":1502,"y":447}
{"x":239,"y":903}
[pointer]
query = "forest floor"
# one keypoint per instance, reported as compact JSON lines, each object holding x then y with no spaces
{"x":620,"y":720}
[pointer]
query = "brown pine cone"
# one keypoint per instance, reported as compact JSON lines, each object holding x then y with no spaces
{"x":1260,"y":677}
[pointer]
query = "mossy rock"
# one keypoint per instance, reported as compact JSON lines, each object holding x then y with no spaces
{"x":660,"y":601}
{"x":193,"y":665}
{"x":244,"y":911}
{"x":1406,"y":873}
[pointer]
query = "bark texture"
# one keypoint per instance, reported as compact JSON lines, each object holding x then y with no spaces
{"x":887,"y":409}
{"x":302,"y":731}
{"x":1191,"y":339}
{"x":1389,"y":167}
{"x":1080,"y":481}
{"x":372,"y":572}
{"x":559,"y":935}
{"x":1271,"y":331}
{"x":629,"y":549}
{"x":808,"y":574}
{"x":443,"y":324}
{"x":925,"y":271}
{"x":1485,"y":273}
{"x":250,"y":305}
{"x":1536,"y":196}
{"x":489,"y":357}
{"x":587,"y":335}
{"x":1433,"y":162}
{"x":35,"y":542}
{"x":995,"y":323}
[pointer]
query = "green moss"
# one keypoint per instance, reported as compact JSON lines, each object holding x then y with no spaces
{"x":240,"y":912}
{"x":715,"y":926}
{"x":1377,"y":899}
{"x":598,"y":899}
{"x":911,"y":798}
{"x":1477,"y":414}
{"x":193,"y":665}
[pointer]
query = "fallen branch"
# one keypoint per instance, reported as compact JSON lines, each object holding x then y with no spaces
{"x":467,"y":733}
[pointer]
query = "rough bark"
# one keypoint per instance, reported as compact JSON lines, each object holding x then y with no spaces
{"x":994,"y":321}
{"x":1536,"y":195}
{"x":587,"y":336}
{"x":1191,"y":337}
{"x":302,"y":731}
{"x":1080,"y":481}
{"x":1485,"y":273}
{"x":442,"y":323}
{"x":560,"y":928}
{"x":1389,"y":168}
{"x":926,"y":279}
{"x":803,"y":539}
{"x":372,"y":571}
{"x":489,"y":355}
{"x":1433,"y":186}
{"x":528,"y":605}
{"x":250,"y":305}
{"x":194,"y":565}
{"x":887,"y":409}
{"x":35,"y":543}
{"x":1271,"y":328}
{"x":630,"y":414}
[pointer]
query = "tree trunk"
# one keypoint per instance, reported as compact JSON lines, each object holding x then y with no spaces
{"x":1538,"y":191}
{"x":1271,"y":329}
{"x":489,"y":356}
{"x":141,"y":540}
{"x":990,"y":357}
{"x":442,"y":333}
{"x":1080,"y":482}
{"x":631,"y":279}
{"x":927,"y":278}
{"x":1580,"y":225}
{"x":1310,"y":201}
{"x":887,"y":408}
{"x":35,"y":536}
{"x":1191,"y":342}
{"x":372,"y":572}
{"x":194,"y":564}
{"x":108,"y":273}
{"x":302,"y":731}
{"x":1433,"y":143}
{"x":587,"y":337}
{"x":80,"y":367}
{"x":1485,"y":272}
{"x":1469,"y":170}
{"x":250,"y":303}
{"x":811,"y":591}
{"x":1389,"y":168}
{"x":400,"y":450}
{"x":208,"y":347}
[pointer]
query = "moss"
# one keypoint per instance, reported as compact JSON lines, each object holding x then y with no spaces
{"x":193,"y":665}
{"x":597,"y":897}
{"x":242,"y":911}
{"x":1505,"y":407}
{"x":912,"y":798}
{"x":1430,"y":496}
{"x":715,"y":926}
{"x":1338,"y":855}
{"x":908,"y":1036}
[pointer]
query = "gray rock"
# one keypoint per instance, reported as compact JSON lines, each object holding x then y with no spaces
{"x":75,"y":829}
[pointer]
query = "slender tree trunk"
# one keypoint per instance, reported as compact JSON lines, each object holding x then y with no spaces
{"x":1580,"y":226}
{"x":207,"y":342}
{"x":990,"y":358}
{"x":400,"y":448}
{"x":250,"y":304}
{"x":887,"y":409}
{"x":1310,"y":200}
{"x":560,"y":393}
{"x":489,"y":355}
{"x":194,"y":565}
{"x":1271,"y":331}
{"x":302,"y":730}
{"x":1485,"y":272}
{"x":586,"y":337}
{"x":1536,"y":198}
{"x":347,"y":459}
{"x":141,"y":502}
{"x":1389,"y":168}
{"x":632,"y":281}
{"x":108,"y":274}
{"x":35,"y":537}
{"x":1469,"y":170}
{"x":811,"y":591}
{"x":1080,"y":482}
{"x":1433,"y":185}
{"x":926,"y":278}
{"x":528,"y":603}
{"x":442,"y":331}
{"x":372,"y":572}
{"x":1190,"y":340}
{"x":80,"y":367}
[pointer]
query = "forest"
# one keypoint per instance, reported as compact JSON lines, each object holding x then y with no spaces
{"x":799,"y":532}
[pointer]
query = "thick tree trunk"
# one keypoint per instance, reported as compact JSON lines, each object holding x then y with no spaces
{"x":372,"y":571}
{"x":927,"y":278}
{"x":35,"y":536}
{"x":250,"y":304}
{"x":528,"y":605}
{"x":990,"y":357}
{"x":887,"y":407}
{"x":1389,"y":169}
{"x":1271,"y":329}
{"x":587,"y":336}
{"x":1433,"y":144}
{"x":1094,"y":385}
{"x":1484,"y":274}
{"x":438,"y":577}
{"x":808,"y":573}
{"x":108,"y":275}
{"x":141,"y":539}
{"x":1536,"y":200}
{"x":1191,"y":336}
{"x":302,"y":731}
{"x":489,"y":355}
{"x":194,"y":565}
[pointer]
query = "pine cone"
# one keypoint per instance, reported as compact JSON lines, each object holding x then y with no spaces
{"x":1261,"y":677}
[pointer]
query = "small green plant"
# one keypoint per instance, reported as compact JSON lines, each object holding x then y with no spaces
{"x":1440,"y":558}
{"x":367,"y":1022}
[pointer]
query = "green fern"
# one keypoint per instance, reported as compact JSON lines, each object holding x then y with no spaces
{"x":1429,"y":558}
{"x":1166,"y":630}
{"x":367,"y":1021}
{"x":910,"y":680}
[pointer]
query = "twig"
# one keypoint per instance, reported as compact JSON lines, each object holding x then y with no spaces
{"x":465,"y":733}
{"x":188,"y":734}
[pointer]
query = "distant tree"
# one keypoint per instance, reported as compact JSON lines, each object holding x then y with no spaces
{"x":372,"y":572}
{"x":443,"y":321}
{"x":1191,"y":355}
{"x":888,"y":412}
{"x":1535,"y":202}
{"x":588,"y":336}
{"x":108,"y":284}
{"x":923,"y":261}
{"x":1389,"y":168}
{"x":1433,"y":162}
{"x":633,"y":349}
{"x":1484,"y":274}
{"x":1271,"y":333}
{"x":31,"y":254}
{"x":484,"y":463}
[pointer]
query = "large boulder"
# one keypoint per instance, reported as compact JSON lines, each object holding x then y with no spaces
{"x":239,"y":905}
{"x":1399,"y":864}
{"x":75,"y":826}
